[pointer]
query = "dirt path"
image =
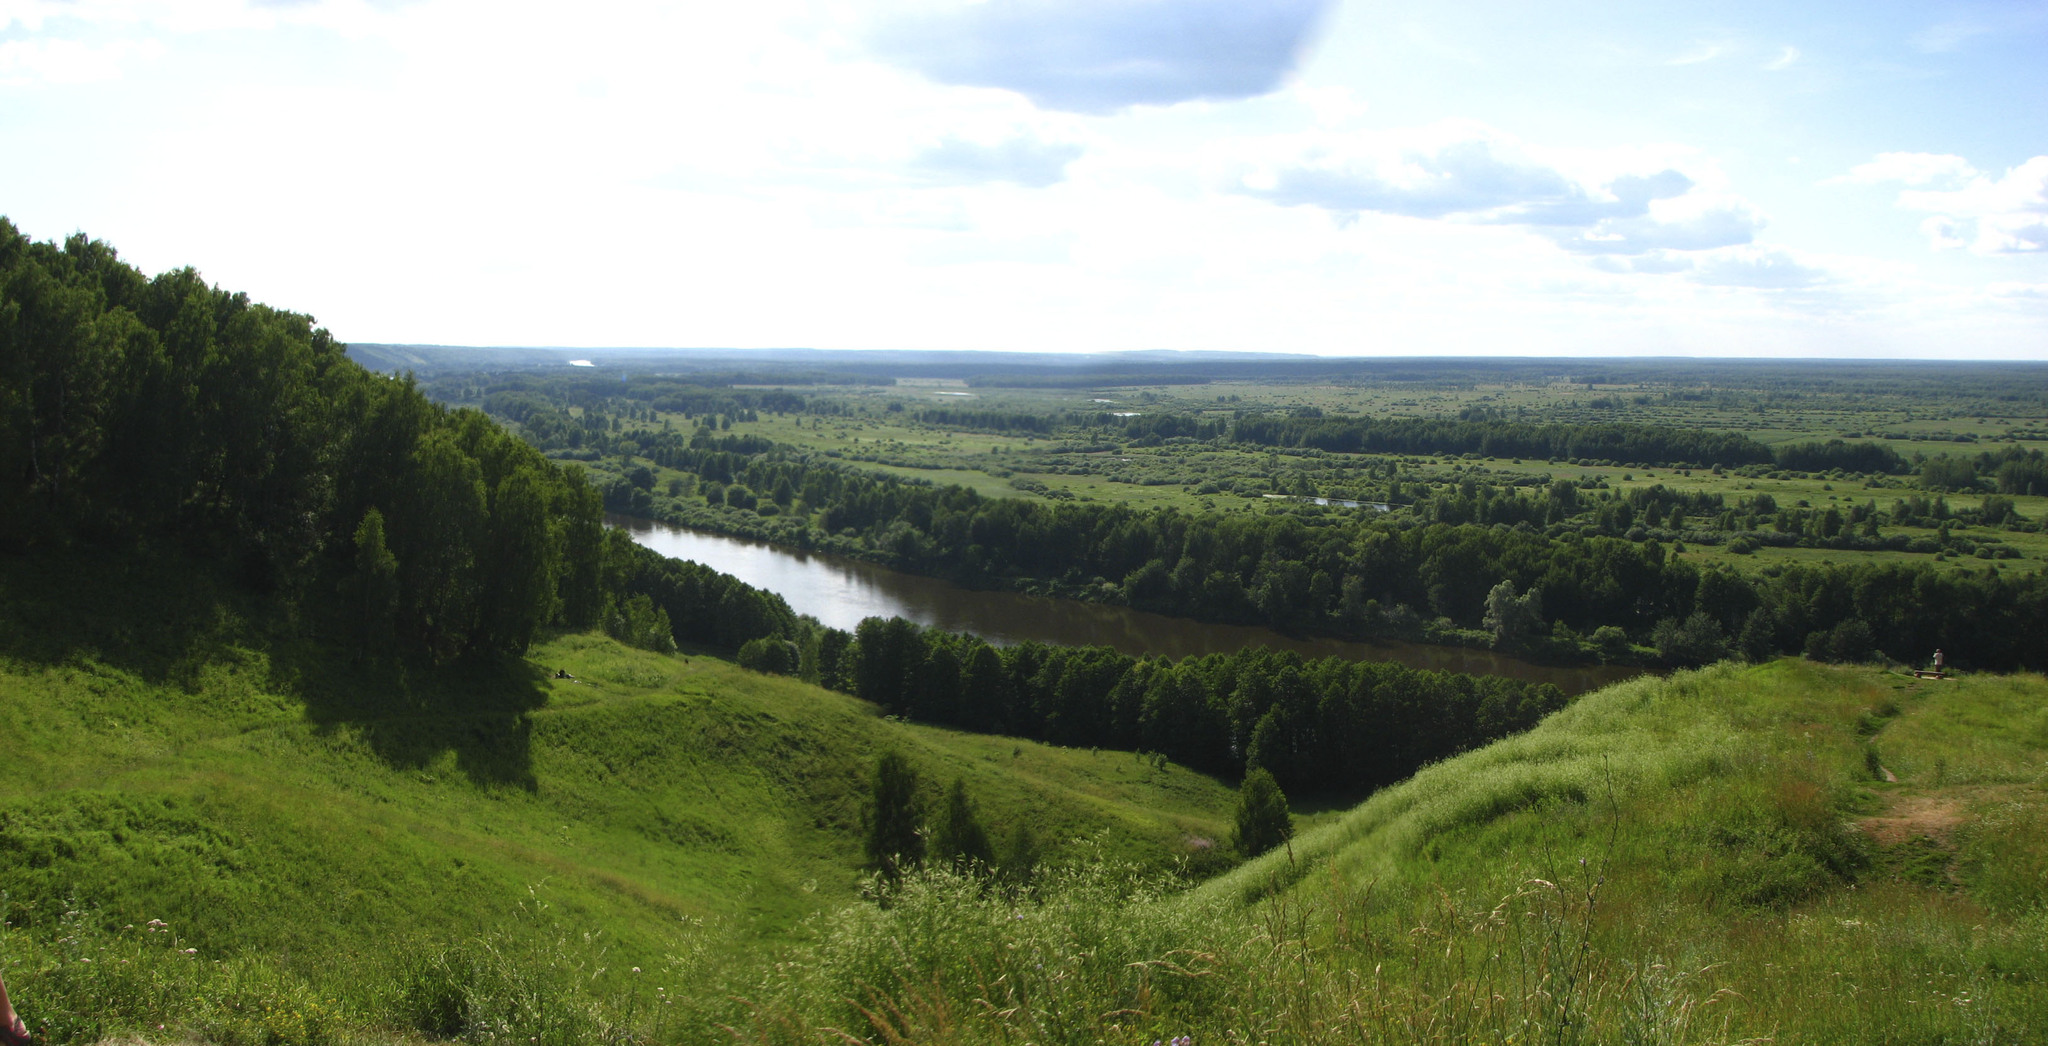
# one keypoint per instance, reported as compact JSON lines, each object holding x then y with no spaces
{"x":1913,"y":816}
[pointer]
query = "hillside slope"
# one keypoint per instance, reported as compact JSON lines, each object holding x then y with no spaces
{"x":322,"y":827}
{"x":1786,"y":852}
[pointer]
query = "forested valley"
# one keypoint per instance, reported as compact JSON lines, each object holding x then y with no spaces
{"x":1562,"y":570}
{"x":334,"y":711}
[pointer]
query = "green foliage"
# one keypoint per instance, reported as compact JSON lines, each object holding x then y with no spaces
{"x":1695,"y":641}
{"x":958,"y":838}
{"x":1669,"y":861}
{"x":637,"y":622}
{"x":774,"y":656}
{"x":372,"y":848}
{"x":1323,"y":723}
{"x":895,"y":835}
{"x":1262,"y":818}
{"x":376,"y":586}
{"x":1512,"y":618}
{"x":1847,"y":643}
{"x":145,"y":409}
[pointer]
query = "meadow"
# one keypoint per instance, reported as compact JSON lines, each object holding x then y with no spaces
{"x":878,"y":428}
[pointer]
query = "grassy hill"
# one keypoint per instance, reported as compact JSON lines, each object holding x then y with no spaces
{"x":666,"y":849}
{"x":1786,"y":853}
{"x":347,"y":845}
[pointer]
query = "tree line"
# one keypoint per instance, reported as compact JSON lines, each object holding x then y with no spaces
{"x":1649,"y":444}
{"x":1325,"y":723}
{"x":163,"y":412}
{"x":1426,"y":574}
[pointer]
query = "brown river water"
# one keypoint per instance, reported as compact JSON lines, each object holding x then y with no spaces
{"x":840,"y":592}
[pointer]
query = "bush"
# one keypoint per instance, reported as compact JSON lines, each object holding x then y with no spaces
{"x":1611,"y":641}
{"x":1850,"y":642}
{"x":772,"y":655}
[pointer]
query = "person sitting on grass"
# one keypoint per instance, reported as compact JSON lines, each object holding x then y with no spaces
{"x":12,"y":1031}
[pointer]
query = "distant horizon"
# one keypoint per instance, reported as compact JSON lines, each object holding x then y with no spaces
{"x":1216,"y":353}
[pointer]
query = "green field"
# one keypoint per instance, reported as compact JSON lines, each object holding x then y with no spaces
{"x":877,"y":429}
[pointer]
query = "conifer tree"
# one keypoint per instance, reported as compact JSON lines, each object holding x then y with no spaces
{"x":959,"y":837}
{"x":1262,"y":818}
{"x":895,"y":842}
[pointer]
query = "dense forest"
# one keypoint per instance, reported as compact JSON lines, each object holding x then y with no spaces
{"x":163,"y":413}
{"x":1327,"y":723}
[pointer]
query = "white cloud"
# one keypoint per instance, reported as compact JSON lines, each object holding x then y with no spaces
{"x":1022,"y":159}
{"x":2005,"y":215}
{"x":70,"y":62}
{"x":2019,"y":292}
{"x":1909,"y":168}
{"x":1698,"y":55}
{"x":771,"y":174}
{"x":1785,"y":59}
{"x":1466,"y":172}
{"x":1701,"y":224}
{"x":1098,"y":56}
{"x":1763,"y":268}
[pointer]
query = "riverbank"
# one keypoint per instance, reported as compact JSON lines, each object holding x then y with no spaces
{"x":840,"y":591}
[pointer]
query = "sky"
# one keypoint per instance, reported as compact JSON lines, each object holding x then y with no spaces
{"x":1342,"y":177}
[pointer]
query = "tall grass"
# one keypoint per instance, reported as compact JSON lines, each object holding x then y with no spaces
{"x":1668,"y":862}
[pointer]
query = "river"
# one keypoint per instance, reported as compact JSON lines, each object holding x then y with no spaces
{"x":840,"y":592}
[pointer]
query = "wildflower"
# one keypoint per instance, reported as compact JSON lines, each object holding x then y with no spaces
{"x":636,"y":969}
{"x":191,"y":951}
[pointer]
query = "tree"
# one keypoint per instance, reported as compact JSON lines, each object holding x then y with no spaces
{"x":772,"y":655}
{"x":1020,"y":857}
{"x":1849,"y":642}
{"x":959,"y":837}
{"x":520,"y":562}
{"x":895,"y":841}
{"x":1611,"y":641}
{"x":636,"y":621}
{"x":1757,"y":640}
{"x":1262,"y":818}
{"x":1695,"y":641}
{"x":1510,"y":617}
{"x":376,"y":585}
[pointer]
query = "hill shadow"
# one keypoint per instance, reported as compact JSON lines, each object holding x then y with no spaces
{"x":174,"y":623}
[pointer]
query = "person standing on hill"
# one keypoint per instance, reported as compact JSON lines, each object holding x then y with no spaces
{"x":12,"y":1031}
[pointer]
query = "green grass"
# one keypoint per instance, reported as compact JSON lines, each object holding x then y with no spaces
{"x":666,"y":849}
{"x":1704,"y":859}
{"x":317,"y":829}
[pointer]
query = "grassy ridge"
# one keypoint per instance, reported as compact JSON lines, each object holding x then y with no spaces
{"x":1718,"y":857}
{"x":317,"y":826}
{"x":664,"y":850}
